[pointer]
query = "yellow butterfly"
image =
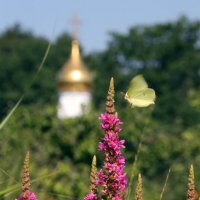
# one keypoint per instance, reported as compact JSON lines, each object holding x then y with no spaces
{"x":139,"y":94}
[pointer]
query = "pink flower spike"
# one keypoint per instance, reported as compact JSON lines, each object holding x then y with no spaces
{"x":111,"y":178}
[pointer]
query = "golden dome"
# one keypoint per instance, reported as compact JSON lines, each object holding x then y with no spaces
{"x":74,"y":75}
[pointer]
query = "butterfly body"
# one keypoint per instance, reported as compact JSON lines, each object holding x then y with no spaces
{"x":139,"y":94}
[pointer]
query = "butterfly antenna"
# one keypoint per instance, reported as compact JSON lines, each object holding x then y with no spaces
{"x":110,"y":107}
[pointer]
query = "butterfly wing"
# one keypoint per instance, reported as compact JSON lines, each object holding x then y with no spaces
{"x":137,"y":83}
{"x":143,"y":98}
{"x":139,"y":94}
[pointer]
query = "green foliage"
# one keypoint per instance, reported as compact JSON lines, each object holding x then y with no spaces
{"x":59,"y":149}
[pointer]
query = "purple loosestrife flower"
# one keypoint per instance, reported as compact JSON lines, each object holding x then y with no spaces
{"x":109,"y":122}
{"x":192,"y":193}
{"x":26,"y":193}
{"x":138,"y":190}
{"x":30,"y":196}
{"x":90,"y":196}
{"x":111,"y":178}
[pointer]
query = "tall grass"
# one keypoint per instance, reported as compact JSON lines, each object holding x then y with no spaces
{"x":11,"y":112}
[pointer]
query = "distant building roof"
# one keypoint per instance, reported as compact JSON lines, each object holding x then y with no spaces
{"x":74,"y":75}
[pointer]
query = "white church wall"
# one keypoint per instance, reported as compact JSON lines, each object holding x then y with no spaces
{"x":72,"y":104}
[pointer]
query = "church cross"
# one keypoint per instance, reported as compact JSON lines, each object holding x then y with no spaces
{"x":75,"y":22}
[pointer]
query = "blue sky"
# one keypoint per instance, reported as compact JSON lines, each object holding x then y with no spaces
{"x":98,"y":17}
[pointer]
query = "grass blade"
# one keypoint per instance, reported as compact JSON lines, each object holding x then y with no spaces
{"x":5,"y":120}
{"x":165,"y":184}
{"x":136,"y":156}
{"x":11,"y":112}
{"x":133,"y":168}
{"x":17,"y":187}
{"x":4,"y":172}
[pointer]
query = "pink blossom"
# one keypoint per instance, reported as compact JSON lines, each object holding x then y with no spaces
{"x":31,"y":196}
{"x":90,"y":196}
{"x":109,"y":122}
{"x":111,"y":178}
